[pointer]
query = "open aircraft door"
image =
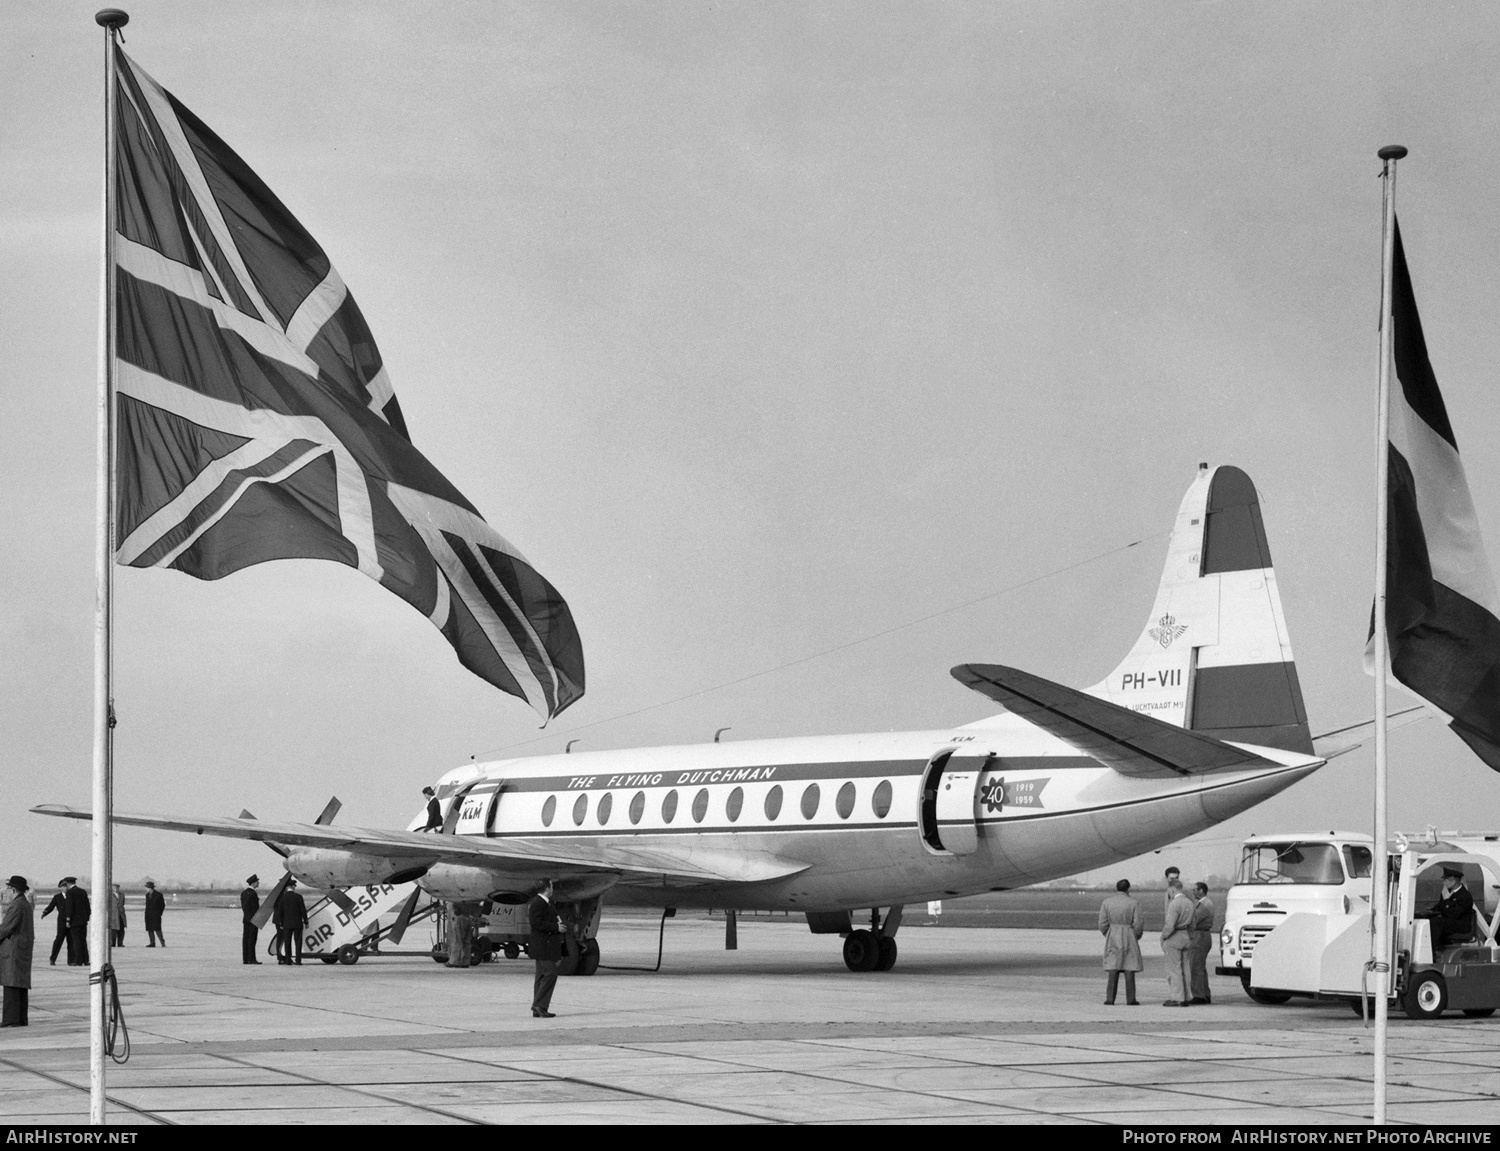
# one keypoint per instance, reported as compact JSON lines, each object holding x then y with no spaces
{"x":476,"y":809}
{"x":950,"y":801}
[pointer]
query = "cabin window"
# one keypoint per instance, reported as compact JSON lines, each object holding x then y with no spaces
{"x":606,"y":805}
{"x":549,"y":809}
{"x":810,"y":800}
{"x":638,"y":807}
{"x":773,"y":802}
{"x":669,"y":806}
{"x":844,"y":804}
{"x":1358,"y":861}
{"x":734,"y":803}
{"x":700,"y":805}
{"x":881,"y":800}
{"x":580,"y":809}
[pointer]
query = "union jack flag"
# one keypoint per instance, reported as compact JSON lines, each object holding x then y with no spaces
{"x":257,"y":422}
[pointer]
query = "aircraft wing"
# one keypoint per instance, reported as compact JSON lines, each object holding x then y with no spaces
{"x":1128,"y":741}
{"x":545,"y":856}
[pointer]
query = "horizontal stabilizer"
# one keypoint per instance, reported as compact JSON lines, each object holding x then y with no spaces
{"x":544,"y":856}
{"x":1131,"y":743}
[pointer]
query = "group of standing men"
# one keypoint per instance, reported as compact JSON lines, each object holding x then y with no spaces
{"x":1186,"y":939}
{"x":289,"y":917}
{"x":71,"y":903}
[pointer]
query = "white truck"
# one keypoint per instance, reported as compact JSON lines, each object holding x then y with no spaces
{"x":1318,"y":873}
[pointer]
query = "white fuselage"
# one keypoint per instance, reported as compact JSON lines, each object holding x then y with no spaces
{"x":1014,"y":806}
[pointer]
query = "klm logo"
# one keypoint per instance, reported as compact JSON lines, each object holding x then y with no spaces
{"x":1166,"y":630}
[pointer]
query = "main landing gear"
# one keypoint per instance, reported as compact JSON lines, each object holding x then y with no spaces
{"x":873,"y":949}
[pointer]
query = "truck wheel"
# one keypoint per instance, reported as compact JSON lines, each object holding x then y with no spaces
{"x":861,"y":951}
{"x":1426,"y":997}
{"x":348,"y":955}
{"x":439,"y":953}
{"x":1260,"y":994}
{"x":512,"y":951}
{"x":588,"y":962}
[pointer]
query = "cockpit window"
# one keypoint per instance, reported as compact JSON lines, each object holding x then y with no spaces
{"x":1292,"y":863}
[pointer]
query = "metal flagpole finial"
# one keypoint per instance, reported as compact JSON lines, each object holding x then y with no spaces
{"x":1389,"y":152}
{"x":112,"y":18}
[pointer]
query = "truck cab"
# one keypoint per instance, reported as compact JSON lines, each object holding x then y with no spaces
{"x":1322,"y":873}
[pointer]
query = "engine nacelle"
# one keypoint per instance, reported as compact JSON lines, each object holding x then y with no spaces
{"x":326,"y":867}
{"x":464,"y":883}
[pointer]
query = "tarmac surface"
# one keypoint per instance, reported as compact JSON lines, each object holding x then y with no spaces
{"x":981,"y":1025}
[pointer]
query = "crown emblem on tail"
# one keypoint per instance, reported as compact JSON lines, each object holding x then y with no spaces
{"x":1166,"y":630}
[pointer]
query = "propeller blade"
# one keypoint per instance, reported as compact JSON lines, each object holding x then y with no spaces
{"x":329,"y":811}
{"x":340,"y":899}
{"x":245,"y":813}
{"x":263,"y":916}
{"x":405,"y":917}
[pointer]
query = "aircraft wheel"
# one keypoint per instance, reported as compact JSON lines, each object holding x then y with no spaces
{"x":1479,"y":1012}
{"x":348,"y":955}
{"x":568,"y":964}
{"x":1426,"y":997}
{"x":887,"y":958}
{"x":512,"y":951}
{"x":861,"y":951}
{"x":588,"y":962}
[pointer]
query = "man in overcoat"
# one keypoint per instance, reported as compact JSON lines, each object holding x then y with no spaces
{"x":16,"y":940}
{"x":1176,"y":940}
{"x":1121,"y":922}
{"x":76,"y":907}
{"x":1203,"y":941}
{"x":546,"y":949}
{"x":56,"y":905}
{"x":290,"y":917}
{"x":155,"y":905}
{"x":249,"y":905}
{"x":116,"y":917}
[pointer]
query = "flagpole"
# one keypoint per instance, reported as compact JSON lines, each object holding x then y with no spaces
{"x":111,"y":20}
{"x":1380,"y":879}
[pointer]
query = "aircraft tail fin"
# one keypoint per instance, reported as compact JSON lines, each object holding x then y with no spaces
{"x":1214,"y":656}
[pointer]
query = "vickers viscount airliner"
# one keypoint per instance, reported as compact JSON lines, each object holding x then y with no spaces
{"x":1201,"y":720}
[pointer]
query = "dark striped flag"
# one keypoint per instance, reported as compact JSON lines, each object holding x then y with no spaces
{"x":256,"y":420}
{"x":1441,"y":606}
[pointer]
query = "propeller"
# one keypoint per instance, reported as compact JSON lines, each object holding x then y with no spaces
{"x":268,"y":906}
{"x":404,"y":918}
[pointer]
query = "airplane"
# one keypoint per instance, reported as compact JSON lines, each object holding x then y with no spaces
{"x":1201,"y":720}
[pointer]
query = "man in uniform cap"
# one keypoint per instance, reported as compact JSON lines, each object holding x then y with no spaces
{"x":76,"y":907}
{"x":249,"y":905}
{"x":1452,"y":915}
{"x":56,"y":905}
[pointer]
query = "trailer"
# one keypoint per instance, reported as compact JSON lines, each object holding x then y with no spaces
{"x":1326,"y":955}
{"x":345,"y":925}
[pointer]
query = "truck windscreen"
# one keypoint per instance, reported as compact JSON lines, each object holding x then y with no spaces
{"x":1290,"y":863}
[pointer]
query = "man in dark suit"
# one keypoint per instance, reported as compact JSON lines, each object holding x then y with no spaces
{"x":546,"y":949}
{"x":434,"y":811}
{"x":76,"y":908}
{"x":155,"y":905}
{"x":290,"y":917}
{"x":249,"y":905}
{"x":62,"y":920}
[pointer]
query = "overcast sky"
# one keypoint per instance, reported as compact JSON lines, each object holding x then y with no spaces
{"x":761,"y":329}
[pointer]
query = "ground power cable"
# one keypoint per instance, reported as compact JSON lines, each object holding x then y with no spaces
{"x":116,"y":1033}
{"x":661,"y":935}
{"x":1095,"y":558}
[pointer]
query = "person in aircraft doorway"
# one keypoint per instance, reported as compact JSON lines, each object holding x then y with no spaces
{"x":1203,"y":939}
{"x":1176,"y":939}
{"x":1121,"y":922}
{"x":290,"y":917}
{"x":546,"y":949}
{"x":434,"y":811}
